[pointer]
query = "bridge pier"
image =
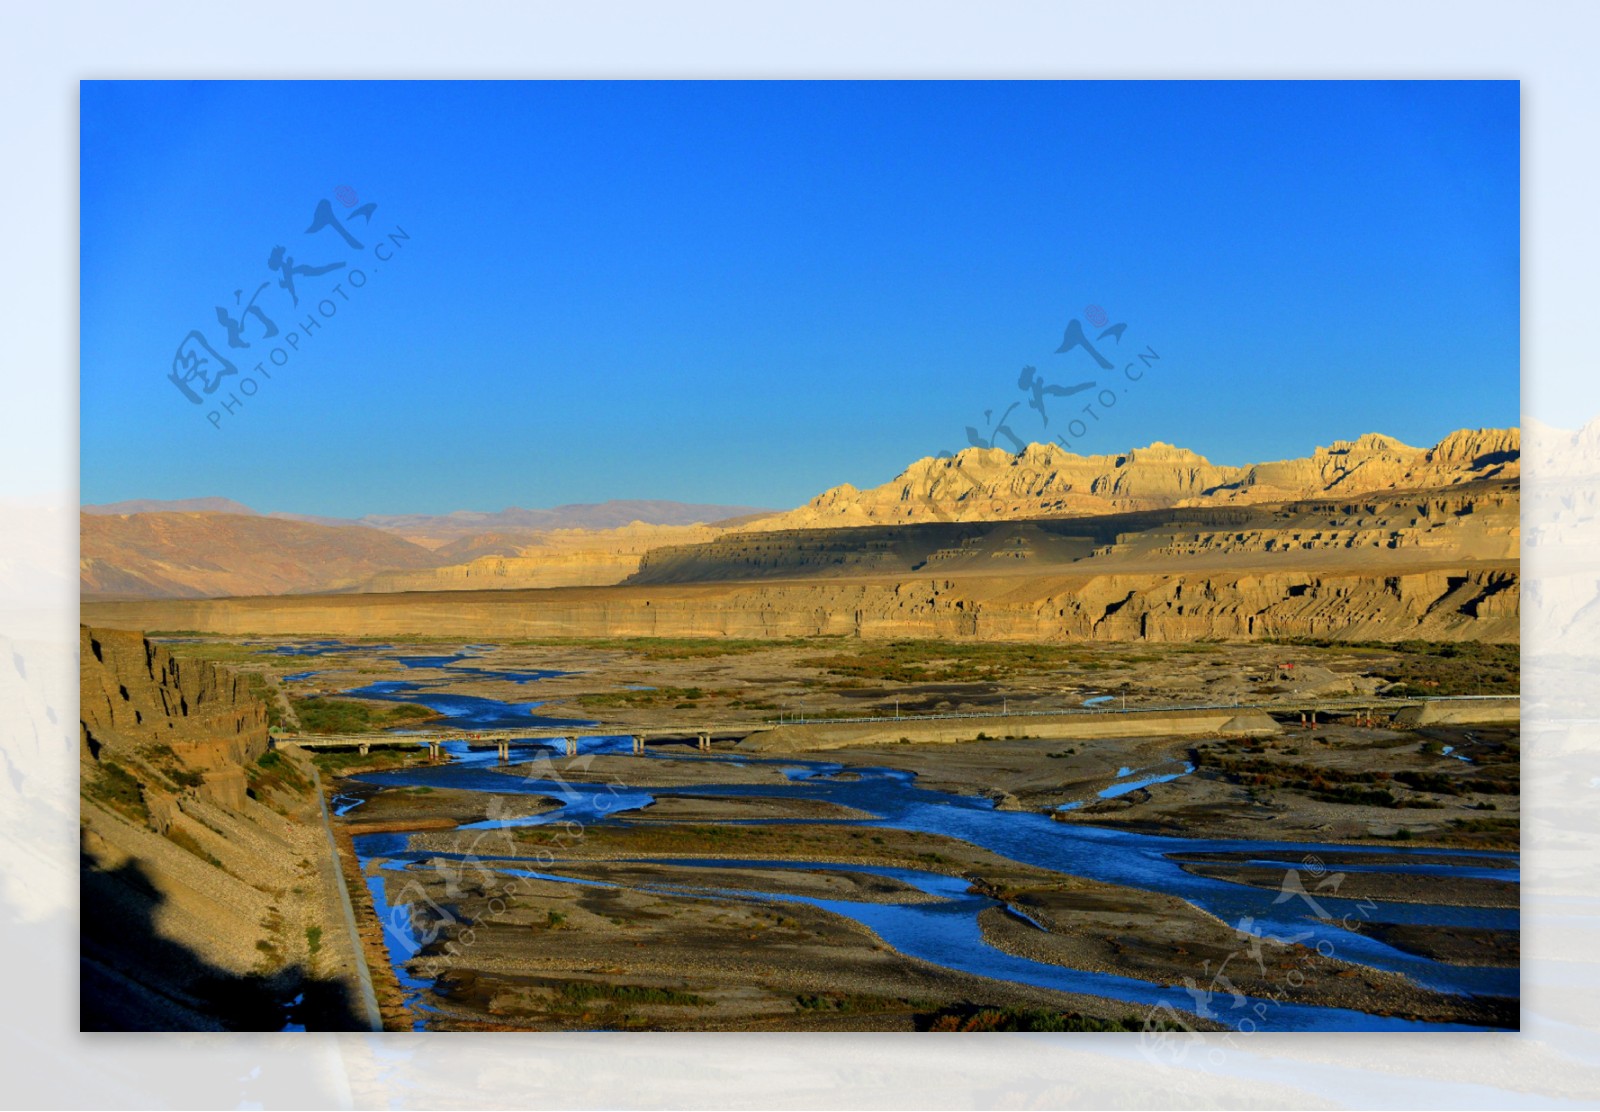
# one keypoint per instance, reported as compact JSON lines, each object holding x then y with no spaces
{"x":705,"y":743}
{"x":433,"y":752}
{"x":364,"y":748}
{"x":572,"y":747}
{"x":505,"y":750}
{"x":638,"y":745}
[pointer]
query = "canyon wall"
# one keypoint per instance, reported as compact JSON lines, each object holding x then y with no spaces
{"x":208,"y":898}
{"x":135,"y":695}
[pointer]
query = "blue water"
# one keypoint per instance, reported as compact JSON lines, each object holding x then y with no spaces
{"x":1144,"y":782}
{"x":451,"y":664}
{"x":322,"y":648}
{"x":946,"y":931}
{"x":466,"y":712}
{"x":402,"y":942}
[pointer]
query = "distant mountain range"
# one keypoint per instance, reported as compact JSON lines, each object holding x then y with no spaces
{"x":201,"y":555}
{"x":175,"y":506}
{"x":209,"y":547}
{"x":577,"y":515}
{"x":217,"y":547}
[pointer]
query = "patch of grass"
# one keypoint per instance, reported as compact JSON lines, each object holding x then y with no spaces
{"x":118,"y":789}
{"x":322,"y":715}
{"x":675,"y":648}
{"x":1496,"y":833}
{"x":186,"y":841}
{"x":657,"y":697}
{"x":337,"y":762}
{"x":272,"y":771}
{"x":946,"y":662}
{"x":263,"y":690}
{"x":313,"y":940}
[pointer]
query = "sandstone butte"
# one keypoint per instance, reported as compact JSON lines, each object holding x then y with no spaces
{"x":985,"y":484}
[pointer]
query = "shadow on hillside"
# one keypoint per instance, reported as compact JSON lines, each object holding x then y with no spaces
{"x":133,"y":979}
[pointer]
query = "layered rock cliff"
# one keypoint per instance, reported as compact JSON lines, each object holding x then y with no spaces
{"x":136,"y":697}
{"x":1437,"y":603}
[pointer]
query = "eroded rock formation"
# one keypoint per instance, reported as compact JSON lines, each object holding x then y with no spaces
{"x":207,"y":889}
{"x":986,"y":484}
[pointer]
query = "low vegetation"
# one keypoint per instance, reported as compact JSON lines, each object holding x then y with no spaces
{"x":322,"y":715}
{"x":655,"y":697}
{"x":339,"y":762}
{"x":273,"y":772}
{"x":186,"y":841}
{"x":261,"y":688}
{"x":978,"y":662}
{"x":1372,"y":787}
{"x":857,"y":1003}
{"x":1434,"y":667}
{"x":577,"y":994}
{"x":1034,"y":1019}
{"x":118,"y":789}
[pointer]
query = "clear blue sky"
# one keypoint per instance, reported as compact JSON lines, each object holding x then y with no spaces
{"x":749,"y":292}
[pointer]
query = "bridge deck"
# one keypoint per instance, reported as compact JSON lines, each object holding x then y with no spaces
{"x":738,"y":731}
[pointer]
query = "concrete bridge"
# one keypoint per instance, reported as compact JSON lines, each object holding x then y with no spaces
{"x":1143,"y":720}
{"x":503,"y":741}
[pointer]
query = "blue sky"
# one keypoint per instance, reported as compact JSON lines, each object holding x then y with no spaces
{"x":748,"y":292}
